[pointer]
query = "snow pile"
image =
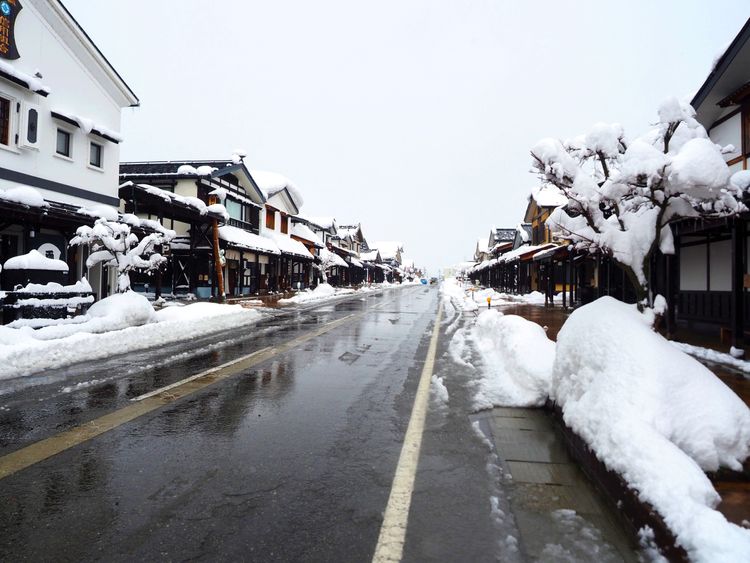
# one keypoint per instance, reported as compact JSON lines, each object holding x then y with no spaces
{"x":468,"y":298}
{"x":110,"y":314}
{"x":88,"y":126}
{"x":462,"y":299}
{"x":190,"y":170}
{"x":323,"y":291}
{"x":713,"y":356}
{"x":120,"y":324}
{"x":81,"y":286}
{"x":35,"y":260}
{"x":35,"y":85}
{"x":100,"y":211}
{"x":24,"y":195}
{"x":518,"y":359}
{"x":655,"y":416}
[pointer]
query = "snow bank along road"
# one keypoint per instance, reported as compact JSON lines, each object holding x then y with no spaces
{"x":287,"y":451}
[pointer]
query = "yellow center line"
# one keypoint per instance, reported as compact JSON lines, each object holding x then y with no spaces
{"x":390,"y":545}
{"x":43,"y":449}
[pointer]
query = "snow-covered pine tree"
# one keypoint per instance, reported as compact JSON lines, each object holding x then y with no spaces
{"x":114,"y":244}
{"x":623,"y":196}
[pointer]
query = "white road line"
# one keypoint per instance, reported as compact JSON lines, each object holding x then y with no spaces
{"x":199,"y":375}
{"x":393,"y":530}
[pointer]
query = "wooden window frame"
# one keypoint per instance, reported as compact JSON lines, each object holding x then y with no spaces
{"x":270,"y":219}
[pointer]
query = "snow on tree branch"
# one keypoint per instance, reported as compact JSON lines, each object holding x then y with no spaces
{"x":622,"y":196}
{"x":113,"y":244}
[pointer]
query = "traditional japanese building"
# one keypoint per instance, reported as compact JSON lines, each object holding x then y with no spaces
{"x":707,"y":277}
{"x":60,"y":111}
{"x":283,"y":202}
{"x":182,"y":195}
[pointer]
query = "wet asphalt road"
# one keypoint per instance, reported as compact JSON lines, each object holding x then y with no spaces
{"x":290,"y":460}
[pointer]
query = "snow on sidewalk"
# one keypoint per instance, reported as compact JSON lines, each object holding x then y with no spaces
{"x":650,"y":412}
{"x":467,"y":297}
{"x":119,"y":324}
{"x":324,"y":292}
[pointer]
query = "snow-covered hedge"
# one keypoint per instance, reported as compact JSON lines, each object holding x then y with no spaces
{"x":657,"y":417}
{"x":650,"y":412}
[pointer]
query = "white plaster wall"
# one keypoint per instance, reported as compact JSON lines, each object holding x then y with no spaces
{"x":729,"y":133}
{"x":73,"y":90}
{"x":721,"y":266}
{"x":693,"y":268}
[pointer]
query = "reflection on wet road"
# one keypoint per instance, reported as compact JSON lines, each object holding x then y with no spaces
{"x":290,"y":459}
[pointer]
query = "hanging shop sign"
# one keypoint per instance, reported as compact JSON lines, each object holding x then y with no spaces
{"x":8,"y":12}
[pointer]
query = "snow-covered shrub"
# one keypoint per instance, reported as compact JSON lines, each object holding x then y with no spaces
{"x":657,"y":417}
{"x":622,"y":196}
{"x":113,"y":244}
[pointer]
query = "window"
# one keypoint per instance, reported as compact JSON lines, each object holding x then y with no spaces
{"x":284,"y":224}
{"x":95,"y":155}
{"x":63,"y":143}
{"x":234,"y":209}
{"x":270,"y":219}
{"x":4,"y":121}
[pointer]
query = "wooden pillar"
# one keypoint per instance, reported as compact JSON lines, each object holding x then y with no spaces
{"x":564,"y":285}
{"x":551,"y":288}
{"x":738,"y":283}
{"x":257,"y":272}
{"x":571,"y":278}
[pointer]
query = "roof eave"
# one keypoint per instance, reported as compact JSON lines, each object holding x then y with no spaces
{"x":721,"y":67}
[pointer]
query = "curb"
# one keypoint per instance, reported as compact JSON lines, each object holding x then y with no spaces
{"x":632,"y":512}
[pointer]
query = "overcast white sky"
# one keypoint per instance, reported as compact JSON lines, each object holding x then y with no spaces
{"x":413,"y":117}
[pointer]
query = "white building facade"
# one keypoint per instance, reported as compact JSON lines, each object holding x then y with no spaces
{"x":60,"y":112}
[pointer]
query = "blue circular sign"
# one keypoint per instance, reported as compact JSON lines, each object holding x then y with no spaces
{"x":5,"y":8}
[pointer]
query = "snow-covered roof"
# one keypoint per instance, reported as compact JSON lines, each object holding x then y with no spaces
{"x":248,"y":240}
{"x":521,"y":250}
{"x":35,"y":260}
{"x":325,"y":223}
{"x":288,"y":245}
{"x":272,"y":183}
{"x":355,"y":262}
{"x":194,"y":202}
{"x":369,"y":256}
{"x":304,"y":232}
{"x":389,"y":249}
{"x":336,"y":260}
{"x":728,"y":74}
{"x":24,"y":195}
{"x":349,"y":231}
{"x":548,"y":196}
{"x":482,"y":246}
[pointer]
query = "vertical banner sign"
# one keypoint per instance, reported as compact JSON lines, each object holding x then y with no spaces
{"x":8,"y":11}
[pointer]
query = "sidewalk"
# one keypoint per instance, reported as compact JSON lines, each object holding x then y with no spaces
{"x":558,"y":512}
